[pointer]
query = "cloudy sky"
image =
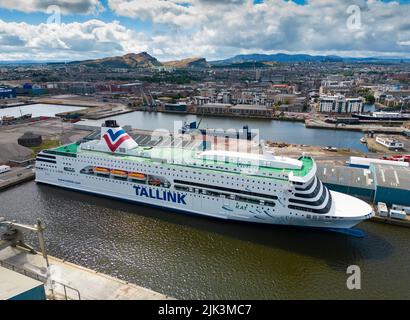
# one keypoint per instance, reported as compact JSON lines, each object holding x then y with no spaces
{"x":173,"y":29}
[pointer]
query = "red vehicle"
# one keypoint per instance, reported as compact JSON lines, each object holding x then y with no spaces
{"x":400,"y":157}
{"x":155,"y":182}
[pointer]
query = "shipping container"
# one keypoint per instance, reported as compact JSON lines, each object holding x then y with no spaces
{"x":401,"y":208}
{"x":382,"y":208}
{"x":397,"y":214}
{"x":360,"y":162}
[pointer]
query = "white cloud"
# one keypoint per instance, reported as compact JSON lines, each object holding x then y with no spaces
{"x":213,"y":29}
{"x":176,"y":12}
{"x":67,"y":41}
{"x":277,"y":25}
{"x":87,"y":40}
{"x":66,"y":6}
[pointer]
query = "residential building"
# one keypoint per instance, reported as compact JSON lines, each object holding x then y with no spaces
{"x":214,"y":108}
{"x":251,"y":110}
{"x":290,"y":108}
{"x":341,"y":104}
{"x":199,"y":100}
{"x":332,"y":87}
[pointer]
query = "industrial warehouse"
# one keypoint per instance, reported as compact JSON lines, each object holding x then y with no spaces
{"x":377,"y":183}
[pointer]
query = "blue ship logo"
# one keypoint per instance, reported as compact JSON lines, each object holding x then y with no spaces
{"x":170,"y":196}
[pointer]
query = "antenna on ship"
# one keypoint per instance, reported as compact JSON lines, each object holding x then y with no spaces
{"x":199,"y":123}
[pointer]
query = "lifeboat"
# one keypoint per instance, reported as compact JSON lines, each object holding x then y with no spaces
{"x":119,"y":173}
{"x":137,"y":176}
{"x":101,"y":170}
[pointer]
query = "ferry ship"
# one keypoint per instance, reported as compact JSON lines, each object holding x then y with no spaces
{"x":258,"y":188}
{"x":383,"y":115}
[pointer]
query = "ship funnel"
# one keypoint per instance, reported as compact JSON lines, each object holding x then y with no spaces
{"x":111,"y":124}
{"x":115,"y":138}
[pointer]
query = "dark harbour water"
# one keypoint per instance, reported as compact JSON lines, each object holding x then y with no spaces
{"x":281,"y":131}
{"x":274,"y":130}
{"x":190,"y":257}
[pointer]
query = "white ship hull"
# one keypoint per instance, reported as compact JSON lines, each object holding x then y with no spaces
{"x":198,"y":204}
{"x":229,"y":185}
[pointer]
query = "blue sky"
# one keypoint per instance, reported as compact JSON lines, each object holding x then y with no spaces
{"x":174,"y":29}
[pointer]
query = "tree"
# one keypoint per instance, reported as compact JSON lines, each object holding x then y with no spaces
{"x":370,"y":99}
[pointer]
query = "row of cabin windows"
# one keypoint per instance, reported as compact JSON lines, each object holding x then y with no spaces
{"x":204,"y":192}
{"x":225,"y":195}
{"x":229,"y":190}
{"x":120,"y":181}
{"x":194,"y":172}
{"x":318,"y":202}
{"x":167,"y":185}
{"x":186,"y":171}
{"x":313,"y":194}
{"x":47,"y":165}
{"x":309,"y":186}
{"x":319,"y":211}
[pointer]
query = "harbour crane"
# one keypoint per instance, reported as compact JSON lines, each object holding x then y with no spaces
{"x":12,"y":234}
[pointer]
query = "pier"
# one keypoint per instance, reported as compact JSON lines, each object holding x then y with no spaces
{"x":62,"y":280}
{"x":379,"y":128}
{"x":71,"y":281}
{"x":15,"y":177}
{"x":388,"y":220}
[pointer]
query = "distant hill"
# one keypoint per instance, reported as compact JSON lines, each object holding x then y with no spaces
{"x":190,"y":63}
{"x":278,"y":57}
{"x":246,"y":65}
{"x":294,"y":58}
{"x":131,"y":60}
{"x":144,"y":60}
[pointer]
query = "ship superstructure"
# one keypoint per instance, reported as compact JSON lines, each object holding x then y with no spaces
{"x":260,"y":188}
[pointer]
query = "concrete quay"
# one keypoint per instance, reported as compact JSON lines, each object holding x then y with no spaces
{"x":388,"y":220}
{"x":105,"y":114}
{"x":73,"y":282}
{"x":15,"y":177}
{"x":318,"y":124}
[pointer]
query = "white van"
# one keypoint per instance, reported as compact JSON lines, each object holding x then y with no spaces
{"x":4,"y":169}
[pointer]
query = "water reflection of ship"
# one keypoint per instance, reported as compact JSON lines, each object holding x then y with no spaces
{"x":193,"y":128}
